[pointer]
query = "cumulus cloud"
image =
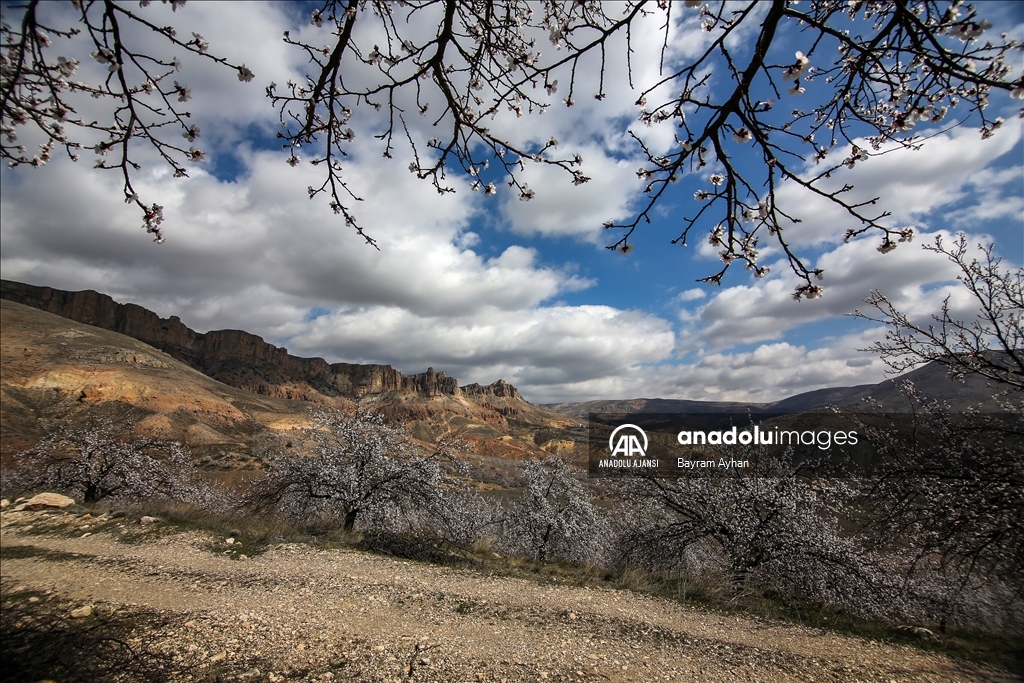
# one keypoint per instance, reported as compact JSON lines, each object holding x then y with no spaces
{"x":578,"y":211}
{"x":255,"y":254}
{"x":916,"y":281}
{"x":691,"y":295}
{"x":250,"y":251}
{"x":771,"y":372}
{"x":909,"y":183}
{"x":542,"y":347}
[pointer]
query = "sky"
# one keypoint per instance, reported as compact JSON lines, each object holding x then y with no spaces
{"x":493,"y":287}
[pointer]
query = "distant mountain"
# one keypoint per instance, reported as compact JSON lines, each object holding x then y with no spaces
{"x":931,"y":380}
{"x":433,"y":403}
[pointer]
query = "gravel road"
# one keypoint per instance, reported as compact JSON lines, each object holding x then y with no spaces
{"x":296,"y":612}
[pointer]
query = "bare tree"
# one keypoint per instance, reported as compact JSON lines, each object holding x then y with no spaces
{"x":869,"y":70}
{"x":990,"y":345}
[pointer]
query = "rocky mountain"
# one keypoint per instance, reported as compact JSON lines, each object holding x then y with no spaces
{"x":246,"y":361}
{"x":71,"y":355}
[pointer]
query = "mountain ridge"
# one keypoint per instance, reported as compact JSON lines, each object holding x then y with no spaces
{"x":245,"y":360}
{"x":932,"y":380}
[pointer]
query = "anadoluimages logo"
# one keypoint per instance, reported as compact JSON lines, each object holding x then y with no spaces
{"x":628,"y":445}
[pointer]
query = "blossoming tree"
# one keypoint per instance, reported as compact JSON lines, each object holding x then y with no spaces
{"x":353,"y":468}
{"x":102,"y":461}
{"x":747,"y":107}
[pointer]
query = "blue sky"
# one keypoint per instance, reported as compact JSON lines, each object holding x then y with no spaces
{"x":489,"y":287}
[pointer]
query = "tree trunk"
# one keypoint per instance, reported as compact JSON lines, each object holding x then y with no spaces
{"x":350,"y":520}
{"x":91,"y":494}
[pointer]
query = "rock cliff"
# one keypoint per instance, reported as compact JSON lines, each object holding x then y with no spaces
{"x":245,"y":360}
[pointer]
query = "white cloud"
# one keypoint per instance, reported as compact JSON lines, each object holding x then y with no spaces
{"x":915,"y":280}
{"x":769,"y":372}
{"x":561,"y":209}
{"x":691,"y":295}
{"x":532,"y":348}
{"x":910,"y":184}
{"x":255,"y":254}
{"x":774,"y":371}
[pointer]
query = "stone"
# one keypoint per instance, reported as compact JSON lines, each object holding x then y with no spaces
{"x":229,"y":541}
{"x":149,"y":520}
{"x":4,"y":504}
{"x":48,"y":500}
{"x":219,"y":657}
{"x":82,"y":612}
{"x":920,"y":632}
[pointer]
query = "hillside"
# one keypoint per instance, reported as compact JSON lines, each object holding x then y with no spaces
{"x":56,"y":370}
{"x":931,"y":380}
{"x":243,"y":360}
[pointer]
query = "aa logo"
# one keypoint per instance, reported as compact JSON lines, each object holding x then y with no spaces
{"x":628,"y":445}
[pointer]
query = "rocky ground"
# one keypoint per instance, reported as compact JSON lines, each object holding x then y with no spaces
{"x":193,"y":607}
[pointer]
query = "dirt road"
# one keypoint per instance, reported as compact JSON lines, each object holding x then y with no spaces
{"x":301,"y":613}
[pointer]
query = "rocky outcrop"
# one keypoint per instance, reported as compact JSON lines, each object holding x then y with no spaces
{"x":500,"y":389}
{"x":245,"y":360}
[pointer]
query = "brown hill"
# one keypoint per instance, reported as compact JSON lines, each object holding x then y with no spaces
{"x":55,"y":370}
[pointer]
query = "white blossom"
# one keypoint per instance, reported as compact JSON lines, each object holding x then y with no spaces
{"x":201,"y":43}
{"x":184,"y":93}
{"x":798,"y":69}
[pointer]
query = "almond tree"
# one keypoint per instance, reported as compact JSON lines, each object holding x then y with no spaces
{"x":355,"y":468}
{"x":777,"y":530}
{"x":555,"y":517}
{"x":951,"y":486}
{"x":991,"y":345}
{"x":948,"y":491}
{"x":96,"y":461}
{"x":747,"y":108}
{"x":39,"y":91}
